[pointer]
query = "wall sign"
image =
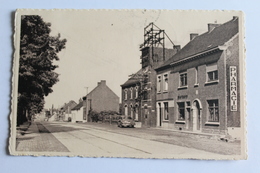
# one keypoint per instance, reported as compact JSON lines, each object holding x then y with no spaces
{"x":182,"y":97}
{"x":233,"y":88}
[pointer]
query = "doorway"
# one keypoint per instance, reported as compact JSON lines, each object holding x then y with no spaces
{"x":159,"y":115}
{"x":196,"y":116}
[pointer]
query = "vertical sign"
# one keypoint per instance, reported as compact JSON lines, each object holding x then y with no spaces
{"x":233,"y":88}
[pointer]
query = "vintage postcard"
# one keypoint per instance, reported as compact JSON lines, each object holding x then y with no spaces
{"x":129,"y":83}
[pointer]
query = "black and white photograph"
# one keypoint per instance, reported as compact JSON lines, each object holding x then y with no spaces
{"x":163,"y":84}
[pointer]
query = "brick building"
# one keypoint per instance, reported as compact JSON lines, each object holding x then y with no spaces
{"x":198,"y":88}
{"x":131,"y":97}
{"x":142,"y":107}
{"x":101,"y":98}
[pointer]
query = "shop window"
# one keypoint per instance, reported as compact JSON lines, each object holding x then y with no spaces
{"x":183,"y":79}
{"x":166,"y":111}
{"x":212,"y":72}
{"x":125,"y":94}
{"x":165,"y":82}
{"x":181,"y":109}
{"x":213,"y":111}
{"x":159,"y":80}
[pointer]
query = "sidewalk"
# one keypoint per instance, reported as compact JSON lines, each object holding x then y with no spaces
{"x":36,"y":137}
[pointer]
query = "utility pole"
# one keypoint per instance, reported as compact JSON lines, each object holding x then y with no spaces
{"x":86,"y":90}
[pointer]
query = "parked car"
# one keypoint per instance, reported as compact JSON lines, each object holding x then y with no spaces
{"x":125,"y":121}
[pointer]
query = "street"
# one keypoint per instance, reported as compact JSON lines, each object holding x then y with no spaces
{"x":97,"y":140}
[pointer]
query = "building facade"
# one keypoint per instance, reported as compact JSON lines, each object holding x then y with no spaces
{"x":139,"y":92}
{"x":131,"y":97}
{"x":198,"y":88}
{"x":101,"y":98}
{"x":66,"y":110}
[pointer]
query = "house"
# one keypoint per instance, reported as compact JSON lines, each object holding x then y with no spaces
{"x":66,"y":110}
{"x":139,"y":91}
{"x":101,"y":98}
{"x":131,"y":96}
{"x":198,"y":88}
{"x":77,"y":113}
{"x":153,"y":55}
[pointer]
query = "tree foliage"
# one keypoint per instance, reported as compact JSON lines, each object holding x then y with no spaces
{"x":38,"y":51}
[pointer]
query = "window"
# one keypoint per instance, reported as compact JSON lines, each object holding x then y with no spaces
{"x":132,"y":111}
{"x":131,"y":93}
{"x":166,"y":111}
{"x":126,"y":110}
{"x":196,"y":75}
{"x":158,"y":84}
{"x":165,"y":82}
{"x":145,"y":95}
{"x":183,"y":79}
{"x":136,"y":112}
{"x":136,"y":92}
{"x":213,"y":111}
{"x":125,"y":94}
{"x":212,"y":72}
{"x":181,"y":109}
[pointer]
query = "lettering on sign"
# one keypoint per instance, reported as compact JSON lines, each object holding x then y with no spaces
{"x":182,"y":97}
{"x":233,"y":88}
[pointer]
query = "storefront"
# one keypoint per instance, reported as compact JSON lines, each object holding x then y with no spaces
{"x":198,"y":89}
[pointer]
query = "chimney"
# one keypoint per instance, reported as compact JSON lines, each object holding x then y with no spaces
{"x":193,"y":35}
{"x":177,"y":47}
{"x":235,"y":17}
{"x":211,"y":26}
{"x":102,"y":82}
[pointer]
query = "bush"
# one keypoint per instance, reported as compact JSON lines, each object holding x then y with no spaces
{"x":94,"y":116}
{"x":103,"y":115}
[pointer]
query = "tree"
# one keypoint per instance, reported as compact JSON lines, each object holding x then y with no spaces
{"x":38,"y":51}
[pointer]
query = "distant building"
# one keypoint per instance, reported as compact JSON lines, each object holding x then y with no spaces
{"x":77,"y":113}
{"x":131,"y":97}
{"x":66,"y":109}
{"x":101,"y":98}
{"x":198,"y":88}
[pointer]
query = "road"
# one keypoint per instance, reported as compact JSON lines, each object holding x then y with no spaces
{"x":96,"y":141}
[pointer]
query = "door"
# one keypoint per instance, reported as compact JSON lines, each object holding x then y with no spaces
{"x":196,"y":116}
{"x":159,"y":115}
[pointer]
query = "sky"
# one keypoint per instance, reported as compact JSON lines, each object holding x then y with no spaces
{"x":104,"y":44}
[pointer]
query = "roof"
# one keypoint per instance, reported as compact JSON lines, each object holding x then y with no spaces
{"x":204,"y":42}
{"x":104,"y":86}
{"x":66,"y":105}
{"x":78,"y":106}
{"x":132,"y":80}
